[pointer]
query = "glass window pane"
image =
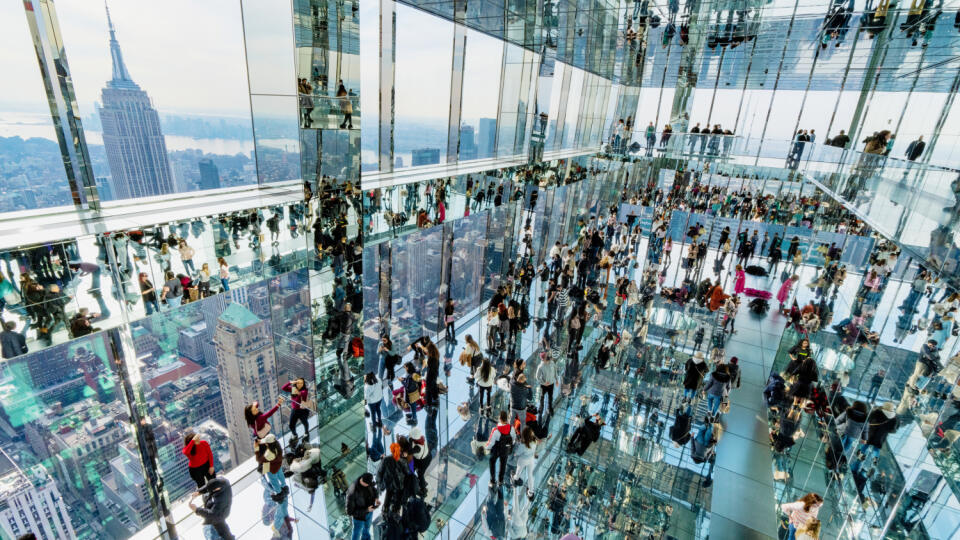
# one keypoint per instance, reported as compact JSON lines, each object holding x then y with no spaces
{"x":422,"y":87}
{"x":150,"y":122}
{"x":481,"y":92}
{"x":31,"y":166}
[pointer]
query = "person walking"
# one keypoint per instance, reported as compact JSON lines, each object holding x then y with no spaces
{"x":449,"y":321}
{"x":499,"y":446}
{"x":526,"y":460}
{"x":486,"y":378}
{"x":695,"y":370}
{"x":740,"y":281}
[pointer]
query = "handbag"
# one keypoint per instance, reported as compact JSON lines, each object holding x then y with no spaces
{"x":441,"y":388}
{"x":413,"y":397}
{"x":466,"y":358}
{"x":725,"y":406}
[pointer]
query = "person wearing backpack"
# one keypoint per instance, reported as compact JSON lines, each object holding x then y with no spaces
{"x":520,"y":396}
{"x":499,"y":446}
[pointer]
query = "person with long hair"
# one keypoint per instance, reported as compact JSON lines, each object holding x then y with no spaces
{"x":299,"y":413}
{"x":526,"y":459}
{"x":473,"y":355}
{"x":373,"y":396}
{"x":199,"y":458}
{"x":800,"y":512}
{"x":269,"y":455}
{"x":224,"y":273}
{"x":449,"y":322}
{"x":486,"y":378}
{"x":259,"y":421}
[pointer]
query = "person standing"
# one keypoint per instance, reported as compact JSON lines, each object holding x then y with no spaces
{"x":186,"y":255}
{"x":217,"y":498}
{"x":875,"y":383}
{"x":373,"y":396}
{"x":149,"y":294}
{"x":361,"y":502}
{"x":499,"y":445}
{"x":13,"y":343}
{"x":800,"y":512}
{"x":172,"y":294}
{"x":651,"y":134}
{"x":915,"y":150}
{"x":449,"y":321}
{"x":299,"y":413}
{"x":546,"y":377}
{"x":224,"y":274}
{"x":526,"y":460}
{"x":199,"y":458}
{"x":784,"y":293}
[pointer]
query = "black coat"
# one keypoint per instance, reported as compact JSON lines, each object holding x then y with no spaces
{"x":583,"y":437}
{"x":359,"y":498}
{"x":217,"y":498}
{"x":694,"y":375}
{"x":879,"y":426}
{"x":12,"y":343}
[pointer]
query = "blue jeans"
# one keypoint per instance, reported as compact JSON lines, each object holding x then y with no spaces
{"x":791,"y":532}
{"x":361,"y":528}
{"x":151,"y":306}
{"x":174,"y":301}
{"x":225,"y":283}
{"x":188,"y":266}
{"x":869,"y":452}
{"x":274,"y":483}
{"x":687,"y":393}
{"x":713,"y":403}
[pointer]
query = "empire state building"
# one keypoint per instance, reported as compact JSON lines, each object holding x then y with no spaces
{"x":134,"y":144}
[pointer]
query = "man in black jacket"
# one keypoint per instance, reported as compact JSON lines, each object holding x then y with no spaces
{"x":915,"y":150}
{"x":361,"y":502}
{"x":217,"y":498}
{"x":12,"y":342}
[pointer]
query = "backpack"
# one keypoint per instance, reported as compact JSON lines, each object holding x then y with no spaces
{"x":680,"y":430}
{"x":356,"y":347}
{"x":503,"y":446}
{"x":416,"y":515}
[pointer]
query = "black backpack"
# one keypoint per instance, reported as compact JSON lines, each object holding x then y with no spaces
{"x":416,"y":515}
{"x":503,"y":446}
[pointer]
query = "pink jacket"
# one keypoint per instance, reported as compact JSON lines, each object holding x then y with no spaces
{"x":741,"y":282}
{"x":784,"y":293}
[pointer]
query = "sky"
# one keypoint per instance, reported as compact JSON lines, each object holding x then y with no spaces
{"x":208,"y":77}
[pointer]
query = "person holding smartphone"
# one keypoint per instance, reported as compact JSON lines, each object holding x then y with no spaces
{"x":362,"y":500}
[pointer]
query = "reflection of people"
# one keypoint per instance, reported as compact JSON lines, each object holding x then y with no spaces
{"x":199,"y":458}
{"x":298,"y":411}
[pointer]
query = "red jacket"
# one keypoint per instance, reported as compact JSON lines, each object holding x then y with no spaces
{"x":198,"y":454}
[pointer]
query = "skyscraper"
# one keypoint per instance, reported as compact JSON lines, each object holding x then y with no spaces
{"x":425,"y":156}
{"x":30,"y":502}
{"x":132,"y":138}
{"x":209,"y":175}
{"x":487,"y":137}
{"x":247,"y":370}
{"x":468,"y":143}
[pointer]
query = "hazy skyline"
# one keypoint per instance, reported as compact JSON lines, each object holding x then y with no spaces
{"x":209,"y":75}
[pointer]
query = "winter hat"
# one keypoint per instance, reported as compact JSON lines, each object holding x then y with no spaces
{"x":698,"y":357}
{"x":734,"y":360}
{"x":889,"y":409}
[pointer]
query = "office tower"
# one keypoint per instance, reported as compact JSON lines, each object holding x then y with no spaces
{"x":468,"y":143}
{"x":30,"y":502}
{"x":105,"y":188}
{"x":132,"y":138}
{"x":246,"y":368}
{"x":398,"y":162}
{"x":125,"y":488}
{"x":425,"y":156}
{"x":487,"y":138}
{"x":209,"y":175}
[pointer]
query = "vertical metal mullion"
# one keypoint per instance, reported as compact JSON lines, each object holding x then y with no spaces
{"x":776,"y":83}
{"x":456,"y":91}
{"x":388,"y":57}
{"x":58,"y":85}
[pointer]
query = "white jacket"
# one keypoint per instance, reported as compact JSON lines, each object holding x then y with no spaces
{"x":373,"y":393}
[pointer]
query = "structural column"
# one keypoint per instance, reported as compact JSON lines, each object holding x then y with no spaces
{"x":48,"y":46}
{"x":388,"y":56}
